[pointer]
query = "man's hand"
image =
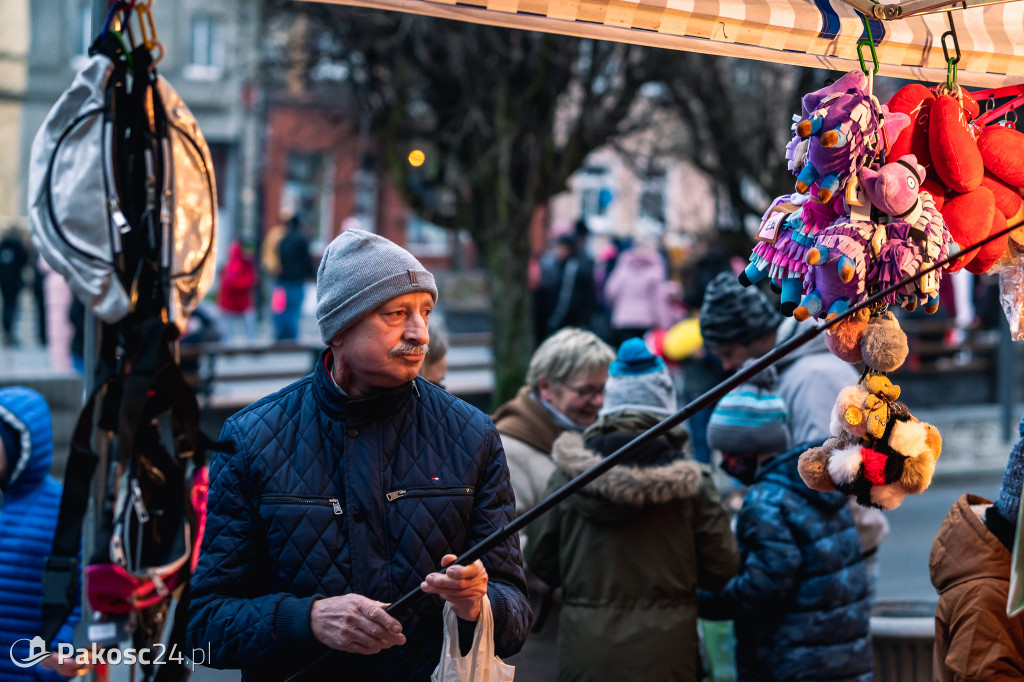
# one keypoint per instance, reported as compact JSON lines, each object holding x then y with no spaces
{"x":355,"y":624}
{"x":463,"y":586}
{"x":66,"y":669}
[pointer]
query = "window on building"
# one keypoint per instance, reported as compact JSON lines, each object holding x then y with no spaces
{"x":206,"y":50}
{"x":424,"y":238}
{"x":652,"y":196}
{"x":83,"y":30}
{"x":309,"y":192}
{"x":594,"y":183}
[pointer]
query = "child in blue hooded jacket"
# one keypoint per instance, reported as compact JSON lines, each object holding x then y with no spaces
{"x":29,"y":503}
{"x":799,"y":602}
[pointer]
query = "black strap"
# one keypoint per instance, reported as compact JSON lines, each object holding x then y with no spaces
{"x":60,"y":570}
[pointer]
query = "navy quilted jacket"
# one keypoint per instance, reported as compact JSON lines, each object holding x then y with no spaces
{"x":327,"y":496}
{"x":800,"y":601}
{"x":28,"y":517}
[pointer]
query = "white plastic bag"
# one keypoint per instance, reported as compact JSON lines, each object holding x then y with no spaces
{"x":481,"y":665}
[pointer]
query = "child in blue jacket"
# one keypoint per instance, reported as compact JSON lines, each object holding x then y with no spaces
{"x":29,"y":503}
{"x":799,"y":602}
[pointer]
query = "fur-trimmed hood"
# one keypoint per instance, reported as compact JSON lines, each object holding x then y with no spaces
{"x":624,"y":485}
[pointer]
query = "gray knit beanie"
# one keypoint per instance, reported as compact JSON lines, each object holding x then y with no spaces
{"x":751,"y":418}
{"x":735,"y":315}
{"x":359,"y":272}
{"x":1008,"y":503}
{"x":638,"y":380}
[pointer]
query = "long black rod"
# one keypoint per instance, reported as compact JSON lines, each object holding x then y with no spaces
{"x":708,"y":398}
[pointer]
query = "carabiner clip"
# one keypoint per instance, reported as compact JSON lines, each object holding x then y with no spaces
{"x":870,"y":42}
{"x":148,"y":30}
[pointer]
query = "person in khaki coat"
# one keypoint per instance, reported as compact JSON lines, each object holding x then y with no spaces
{"x":630,"y":550}
{"x":975,"y":641}
{"x":564,"y":391}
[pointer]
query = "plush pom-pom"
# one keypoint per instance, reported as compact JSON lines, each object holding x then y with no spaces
{"x":844,"y":338}
{"x":887,"y":496}
{"x":813,"y":468}
{"x":844,"y":464}
{"x":884,"y":345}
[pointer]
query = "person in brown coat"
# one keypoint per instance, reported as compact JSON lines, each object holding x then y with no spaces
{"x":975,"y":641}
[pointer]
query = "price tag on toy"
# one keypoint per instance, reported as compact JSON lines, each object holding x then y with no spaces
{"x":771,"y":228}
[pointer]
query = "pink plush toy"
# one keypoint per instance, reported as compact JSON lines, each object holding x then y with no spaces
{"x":895,"y":187}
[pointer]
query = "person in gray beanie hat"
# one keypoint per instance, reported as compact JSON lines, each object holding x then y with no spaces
{"x":737,"y":322}
{"x":360,"y":271}
{"x":351,"y":486}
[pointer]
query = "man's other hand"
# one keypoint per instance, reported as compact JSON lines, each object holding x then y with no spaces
{"x":68,"y":668}
{"x":463,"y":586}
{"x":355,"y":624}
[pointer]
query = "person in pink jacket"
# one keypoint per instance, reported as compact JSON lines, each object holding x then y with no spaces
{"x":637,"y":294}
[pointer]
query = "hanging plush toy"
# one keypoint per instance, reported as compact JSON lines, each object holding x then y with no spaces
{"x":841,"y":123}
{"x":782,"y":242}
{"x":879,"y":468}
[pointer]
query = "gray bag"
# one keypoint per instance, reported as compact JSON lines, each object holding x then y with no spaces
{"x":76,"y":213}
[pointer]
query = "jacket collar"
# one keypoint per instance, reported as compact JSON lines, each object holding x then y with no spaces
{"x":625,"y":484}
{"x":357,"y":411}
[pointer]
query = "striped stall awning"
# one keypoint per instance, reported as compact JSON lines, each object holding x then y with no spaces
{"x":815,"y":33}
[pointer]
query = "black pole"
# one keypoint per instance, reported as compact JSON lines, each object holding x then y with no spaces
{"x":711,"y":396}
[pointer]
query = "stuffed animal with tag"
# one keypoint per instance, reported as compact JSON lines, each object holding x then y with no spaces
{"x":878,"y":471}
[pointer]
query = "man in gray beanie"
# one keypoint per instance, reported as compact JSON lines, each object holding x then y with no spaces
{"x":350,"y":488}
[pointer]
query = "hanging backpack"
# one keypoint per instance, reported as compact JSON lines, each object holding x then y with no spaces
{"x":123,"y":205}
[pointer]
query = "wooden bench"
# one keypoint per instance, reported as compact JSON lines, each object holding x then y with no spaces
{"x":219,"y":372}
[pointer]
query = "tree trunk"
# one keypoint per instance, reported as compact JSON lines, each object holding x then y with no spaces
{"x":506,"y":251}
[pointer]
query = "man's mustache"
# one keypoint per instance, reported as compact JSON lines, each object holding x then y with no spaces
{"x":408,"y":349}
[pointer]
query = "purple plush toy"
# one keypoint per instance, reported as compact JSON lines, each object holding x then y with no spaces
{"x":841,"y":123}
{"x":840,"y":260}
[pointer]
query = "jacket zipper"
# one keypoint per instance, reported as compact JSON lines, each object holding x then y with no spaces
{"x":428,"y":492}
{"x":298,"y":499}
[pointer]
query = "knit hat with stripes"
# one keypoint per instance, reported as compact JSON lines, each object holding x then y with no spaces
{"x":750,"y":419}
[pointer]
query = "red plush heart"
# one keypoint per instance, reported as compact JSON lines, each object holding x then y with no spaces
{"x":990,"y":253}
{"x":969,"y":219}
{"x":1002,"y":150}
{"x":937,"y":190}
{"x":955,"y":155}
{"x":1008,"y":199}
{"x":970,"y":105}
{"x":914,"y":100}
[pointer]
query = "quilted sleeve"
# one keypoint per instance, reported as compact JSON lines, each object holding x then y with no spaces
{"x":230,"y":610}
{"x":494,"y":506}
{"x":771,"y":563}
